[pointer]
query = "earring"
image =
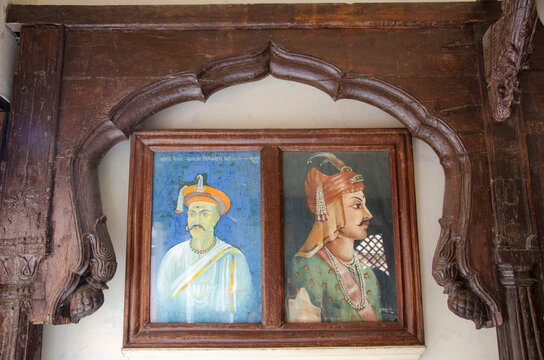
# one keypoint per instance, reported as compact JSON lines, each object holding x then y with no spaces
{"x":186,"y":227}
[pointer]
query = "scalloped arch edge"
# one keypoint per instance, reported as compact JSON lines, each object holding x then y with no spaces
{"x":451,"y":268}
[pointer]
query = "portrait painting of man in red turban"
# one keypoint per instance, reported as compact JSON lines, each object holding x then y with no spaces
{"x":328,"y":279}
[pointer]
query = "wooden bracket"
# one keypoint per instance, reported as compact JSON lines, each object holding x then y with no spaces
{"x":507,"y":45}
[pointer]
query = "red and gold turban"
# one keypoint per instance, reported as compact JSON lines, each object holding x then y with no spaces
{"x":323,"y":189}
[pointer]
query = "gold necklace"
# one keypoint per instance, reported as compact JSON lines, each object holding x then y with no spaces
{"x":203,"y":251}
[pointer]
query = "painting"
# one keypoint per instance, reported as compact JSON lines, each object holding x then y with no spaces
{"x":205,"y":238}
{"x":339,"y":238}
{"x":272,"y":238}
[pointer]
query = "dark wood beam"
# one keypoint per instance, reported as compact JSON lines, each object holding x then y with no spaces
{"x":263,"y":16}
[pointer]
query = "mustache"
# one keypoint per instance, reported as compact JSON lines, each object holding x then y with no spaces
{"x":197,"y":226}
{"x":364,"y":222}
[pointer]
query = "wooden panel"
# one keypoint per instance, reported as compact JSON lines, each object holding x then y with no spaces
{"x":26,"y":188}
{"x":532,"y":102}
{"x":254,"y":64}
{"x":425,"y":52}
{"x":33,"y":121}
{"x":259,"y":16}
{"x":436,"y":66}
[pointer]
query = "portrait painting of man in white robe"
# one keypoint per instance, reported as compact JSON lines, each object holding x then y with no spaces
{"x":203,"y":279}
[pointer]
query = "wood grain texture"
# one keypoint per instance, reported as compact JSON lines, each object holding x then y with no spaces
{"x":532,"y":108}
{"x":532,"y":103}
{"x":273,"y":331}
{"x":26,"y":203}
{"x":19,"y":338}
{"x":26,"y":188}
{"x":516,"y":245}
{"x":273,"y":293}
{"x":258,"y":16}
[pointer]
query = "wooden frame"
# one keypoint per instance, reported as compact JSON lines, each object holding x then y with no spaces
{"x":274,"y":331}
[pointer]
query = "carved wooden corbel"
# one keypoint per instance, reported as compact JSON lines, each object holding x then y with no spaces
{"x":507,"y":45}
{"x":88,"y":296}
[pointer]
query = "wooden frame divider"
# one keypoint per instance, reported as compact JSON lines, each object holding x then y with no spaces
{"x":274,"y":331}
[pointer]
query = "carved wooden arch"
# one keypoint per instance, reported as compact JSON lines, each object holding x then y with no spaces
{"x":451,"y":266}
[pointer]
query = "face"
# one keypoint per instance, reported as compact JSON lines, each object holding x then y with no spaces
{"x":202,"y":217}
{"x":357,"y":215}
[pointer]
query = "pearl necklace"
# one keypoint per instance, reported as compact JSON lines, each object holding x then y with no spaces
{"x":358,"y":271}
{"x":203,"y":251}
{"x":350,"y":266}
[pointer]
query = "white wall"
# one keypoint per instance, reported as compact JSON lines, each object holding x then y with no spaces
{"x":265,"y":104}
{"x":8,"y":51}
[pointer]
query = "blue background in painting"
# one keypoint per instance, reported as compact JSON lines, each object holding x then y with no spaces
{"x":237,"y":174}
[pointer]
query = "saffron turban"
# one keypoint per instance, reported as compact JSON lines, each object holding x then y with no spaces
{"x":324,"y":195}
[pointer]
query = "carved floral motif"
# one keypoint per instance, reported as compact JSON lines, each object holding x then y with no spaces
{"x":18,"y":268}
{"x":507,"y":44}
{"x":85,"y":301}
{"x":88,"y":296}
{"x":102,"y":263}
{"x":461,"y":300}
{"x":5,"y":269}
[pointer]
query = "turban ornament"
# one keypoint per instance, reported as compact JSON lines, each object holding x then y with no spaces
{"x":320,"y":207}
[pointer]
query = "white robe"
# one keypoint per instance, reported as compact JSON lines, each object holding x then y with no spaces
{"x":214,"y":289}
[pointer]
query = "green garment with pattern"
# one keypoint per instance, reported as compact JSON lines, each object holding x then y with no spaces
{"x":320,"y":282}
